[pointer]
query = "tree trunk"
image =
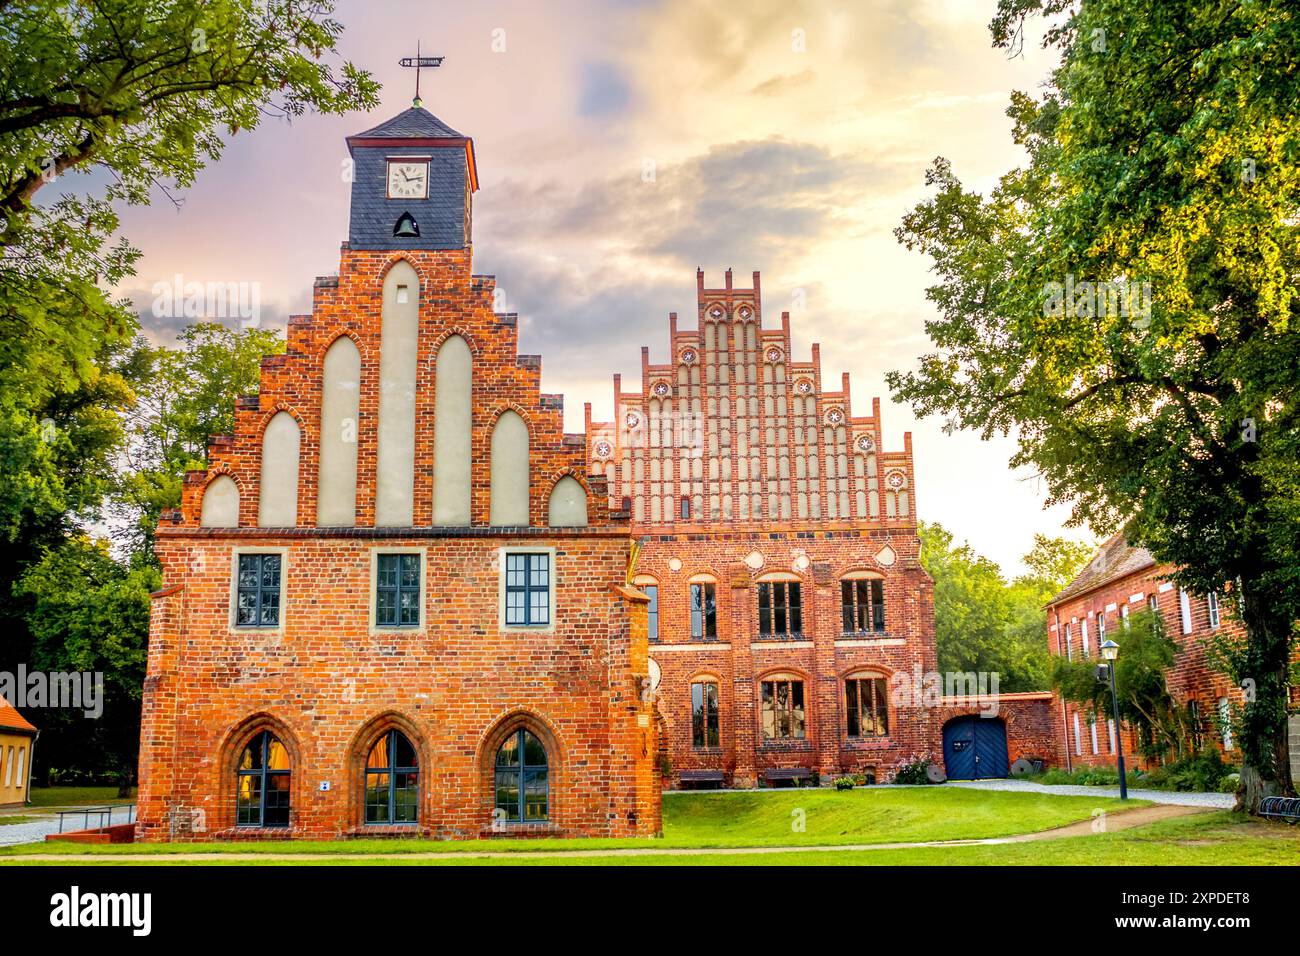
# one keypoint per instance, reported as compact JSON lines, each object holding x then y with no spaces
{"x":1261,"y":670}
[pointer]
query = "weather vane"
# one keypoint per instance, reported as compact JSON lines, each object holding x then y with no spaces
{"x":418,"y":61}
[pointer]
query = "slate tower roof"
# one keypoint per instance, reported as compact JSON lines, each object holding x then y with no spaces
{"x":415,"y":122}
{"x":441,"y":218}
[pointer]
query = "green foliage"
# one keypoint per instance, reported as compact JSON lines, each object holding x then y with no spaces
{"x":1203,"y":772}
{"x":1084,"y":777}
{"x":1146,"y":653}
{"x":915,"y":772}
{"x":1163,"y":150}
{"x":844,"y":783}
{"x":89,"y":613}
{"x":984,"y":623}
{"x":143,"y":93}
{"x":189,"y":395}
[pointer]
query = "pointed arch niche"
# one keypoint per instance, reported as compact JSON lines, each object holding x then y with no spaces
{"x":340,"y":406}
{"x":509,"y":471}
{"x":452,"y":421}
{"x":400,"y":333}
{"x":277,"y":497}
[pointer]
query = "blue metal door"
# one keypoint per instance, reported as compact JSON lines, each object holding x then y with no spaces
{"x":975,"y":748}
{"x":990,"y":748}
{"x":959,"y":749}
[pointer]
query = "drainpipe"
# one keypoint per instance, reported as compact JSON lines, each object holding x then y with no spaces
{"x":31,"y":762}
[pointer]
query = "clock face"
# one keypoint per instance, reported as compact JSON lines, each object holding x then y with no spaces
{"x":408,"y":179}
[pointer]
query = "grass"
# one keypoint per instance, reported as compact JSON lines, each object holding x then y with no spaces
{"x":77,"y":796}
{"x":10,"y":819}
{"x":707,"y":822}
{"x":1211,"y":839}
{"x":813,"y":817}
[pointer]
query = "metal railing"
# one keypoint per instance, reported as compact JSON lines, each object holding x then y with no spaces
{"x":103,"y":814}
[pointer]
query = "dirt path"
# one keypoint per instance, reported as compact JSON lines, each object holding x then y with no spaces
{"x":1114,"y":822}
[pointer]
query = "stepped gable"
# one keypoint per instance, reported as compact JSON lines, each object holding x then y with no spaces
{"x":452,"y":301}
{"x":747,"y":432}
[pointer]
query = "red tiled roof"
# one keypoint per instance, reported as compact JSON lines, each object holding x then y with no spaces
{"x":12,"y":720}
{"x":1114,"y":560}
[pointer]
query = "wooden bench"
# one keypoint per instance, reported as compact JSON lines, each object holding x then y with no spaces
{"x":703,"y":776}
{"x":787,"y":773}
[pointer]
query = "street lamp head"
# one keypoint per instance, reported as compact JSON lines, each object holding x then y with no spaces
{"x":1109,"y":650}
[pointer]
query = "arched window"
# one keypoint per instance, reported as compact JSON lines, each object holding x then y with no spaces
{"x":862,"y":603}
{"x":263,"y":783}
{"x":866,"y":702}
{"x":392,"y":780}
{"x":704,"y":713}
{"x":521,"y":780}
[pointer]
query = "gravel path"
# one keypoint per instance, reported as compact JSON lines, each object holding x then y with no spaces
{"x":32,"y":832}
{"x":1208,"y":801}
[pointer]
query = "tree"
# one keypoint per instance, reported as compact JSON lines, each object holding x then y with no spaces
{"x":984,"y":623}
{"x":1141,"y":686}
{"x":90,"y":614}
{"x":189,"y":395}
{"x":1126,"y":304}
{"x":144,"y":91}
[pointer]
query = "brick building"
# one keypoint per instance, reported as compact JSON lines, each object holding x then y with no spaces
{"x":395,"y":602}
{"x":1120,"y":580}
{"x":779,"y":549}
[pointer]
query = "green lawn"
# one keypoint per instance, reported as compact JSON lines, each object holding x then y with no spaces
{"x":76,"y":796}
{"x":10,"y":819}
{"x":712,"y":822}
{"x":1213,"y":839}
{"x":812,"y":817}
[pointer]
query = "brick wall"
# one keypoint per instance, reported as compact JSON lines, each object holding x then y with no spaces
{"x":1190,"y":679}
{"x":781,"y":477}
{"x":329,"y":685}
{"x":326,"y":682}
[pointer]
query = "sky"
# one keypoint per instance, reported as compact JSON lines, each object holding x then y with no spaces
{"x":787,"y":137}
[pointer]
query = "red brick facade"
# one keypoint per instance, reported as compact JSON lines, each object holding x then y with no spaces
{"x":1119,"y":581}
{"x":326,"y":681}
{"x":741,"y":466}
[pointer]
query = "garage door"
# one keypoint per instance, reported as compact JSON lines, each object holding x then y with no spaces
{"x":975,"y":748}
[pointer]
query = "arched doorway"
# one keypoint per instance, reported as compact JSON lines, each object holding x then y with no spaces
{"x":975,"y":748}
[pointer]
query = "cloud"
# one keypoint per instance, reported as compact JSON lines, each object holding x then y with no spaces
{"x":779,"y":85}
{"x":747,"y":203}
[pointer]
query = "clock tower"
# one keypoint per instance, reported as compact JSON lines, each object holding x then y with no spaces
{"x":413,"y":183}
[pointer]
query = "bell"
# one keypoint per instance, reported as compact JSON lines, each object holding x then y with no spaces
{"x":406,"y":227}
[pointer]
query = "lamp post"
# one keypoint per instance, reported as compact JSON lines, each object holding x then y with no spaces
{"x":1110,"y":651}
